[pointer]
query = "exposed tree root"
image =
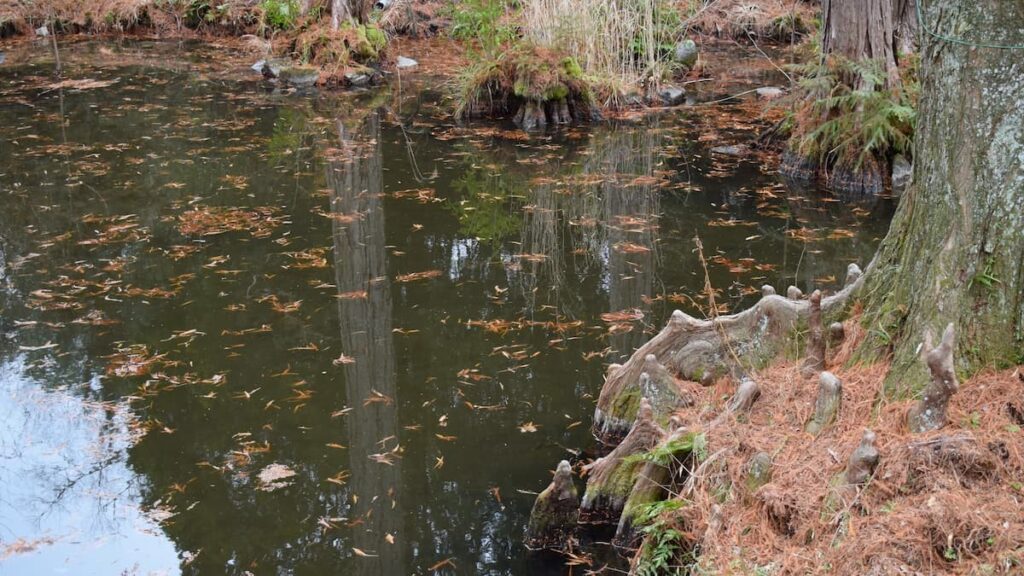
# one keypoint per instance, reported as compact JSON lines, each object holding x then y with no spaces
{"x":814,"y":361}
{"x":930,"y":412}
{"x":610,"y":479}
{"x":863,"y":461}
{"x":555,"y":512}
{"x":938,"y":502}
{"x":827,"y":403}
{"x":759,"y":471}
{"x":700,"y":350}
{"x":653,"y":484}
{"x":746,"y":394}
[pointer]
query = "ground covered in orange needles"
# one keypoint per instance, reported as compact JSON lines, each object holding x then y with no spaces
{"x":949,"y":501}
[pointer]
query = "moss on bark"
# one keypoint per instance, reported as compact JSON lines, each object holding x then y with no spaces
{"x":955,"y":249}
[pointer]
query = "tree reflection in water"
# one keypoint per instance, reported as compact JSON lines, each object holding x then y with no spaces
{"x":360,"y":265}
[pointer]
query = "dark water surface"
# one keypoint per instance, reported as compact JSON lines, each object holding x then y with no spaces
{"x":253,"y":332}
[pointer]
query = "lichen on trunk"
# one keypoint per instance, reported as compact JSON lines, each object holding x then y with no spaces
{"x":955,"y":249}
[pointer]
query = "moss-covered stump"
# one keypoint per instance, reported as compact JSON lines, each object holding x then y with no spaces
{"x":853,"y":178}
{"x":336,"y":53}
{"x":661,"y":469}
{"x":610,"y":479}
{"x":826,"y":405}
{"x":694,"y":348}
{"x":555,"y":513}
{"x":534,"y":86}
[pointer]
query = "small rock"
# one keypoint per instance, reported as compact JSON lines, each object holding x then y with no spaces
{"x":734,"y":150}
{"x":769,"y":93}
{"x":258,"y":67}
{"x":42,"y":31}
{"x":672,"y":95}
{"x":902,"y":171}
{"x":686,"y":53}
{"x":357,"y":79}
{"x":404,"y":62}
{"x":272,"y":67}
{"x":300,"y":76}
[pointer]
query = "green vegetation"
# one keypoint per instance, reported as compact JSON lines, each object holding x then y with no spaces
{"x":487,"y":24}
{"x":280,"y":14}
{"x":664,"y":551}
{"x":665,"y":453}
{"x":848,"y":123}
{"x":544,"y":51}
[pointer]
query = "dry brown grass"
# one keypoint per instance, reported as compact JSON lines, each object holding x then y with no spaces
{"x":415,"y":18}
{"x":101,"y":16}
{"x":947,"y":502}
{"x":781,"y":20}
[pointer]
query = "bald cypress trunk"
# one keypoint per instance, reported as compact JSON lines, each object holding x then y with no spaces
{"x":348,"y":11}
{"x":955,"y":250}
{"x":868,"y":30}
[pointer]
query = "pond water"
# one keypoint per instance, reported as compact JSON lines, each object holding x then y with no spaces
{"x":248,"y":331}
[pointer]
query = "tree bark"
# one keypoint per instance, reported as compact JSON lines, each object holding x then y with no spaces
{"x":955,"y":249}
{"x":869,"y":30}
{"x":345,"y":11}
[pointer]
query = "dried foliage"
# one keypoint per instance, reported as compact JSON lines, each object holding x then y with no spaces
{"x":620,"y":44}
{"x":946,"y":501}
{"x":212,"y":220}
{"x":779,"y":20}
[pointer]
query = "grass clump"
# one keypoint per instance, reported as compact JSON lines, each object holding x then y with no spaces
{"x":555,"y":61}
{"x":621,"y":45}
{"x":537,"y":84}
{"x":336,"y":51}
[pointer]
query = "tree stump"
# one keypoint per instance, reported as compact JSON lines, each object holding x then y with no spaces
{"x":555,"y":512}
{"x":827,"y":404}
{"x":930,"y":412}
